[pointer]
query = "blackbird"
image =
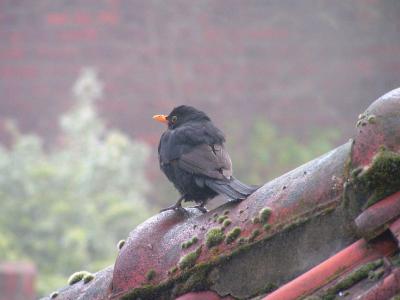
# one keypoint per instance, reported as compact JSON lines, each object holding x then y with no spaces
{"x":192,"y":155}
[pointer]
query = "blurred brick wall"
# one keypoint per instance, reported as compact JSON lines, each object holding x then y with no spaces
{"x":17,"y":281}
{"x":300,"y":64}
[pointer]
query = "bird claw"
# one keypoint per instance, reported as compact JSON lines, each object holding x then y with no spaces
{"x":173,"y":207}
{"x":201,"y":208}
{"x":235,"y":200}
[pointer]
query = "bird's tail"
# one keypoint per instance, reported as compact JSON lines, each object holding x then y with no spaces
{"x":233,"y":188}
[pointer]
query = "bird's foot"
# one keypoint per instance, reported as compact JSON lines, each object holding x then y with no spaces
{"x":173,"y":207}
{"x":201,"y":208}
{"x":236,"y":200}
{"x":177,"y":206}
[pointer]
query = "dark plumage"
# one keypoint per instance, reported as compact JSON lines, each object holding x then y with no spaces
{"x":193,"y":157}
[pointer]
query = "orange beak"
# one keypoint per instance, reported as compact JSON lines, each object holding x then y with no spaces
{"x":161,"y":118}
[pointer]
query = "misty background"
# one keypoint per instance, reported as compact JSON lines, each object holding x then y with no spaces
{"x":80,"y":80}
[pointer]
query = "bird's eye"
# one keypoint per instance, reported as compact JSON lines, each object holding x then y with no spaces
{"x":174,"y":119}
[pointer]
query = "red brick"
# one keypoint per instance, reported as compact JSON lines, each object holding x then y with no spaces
{"x":17,"y":281}
{"x":79,"y":35}
{"x":331,"y":57}
{"x":109,"y":18}
{"x":11,"y":53}
{"x":57,"y":18}
{"x":18,"y":72}
{"x":82,"y":18}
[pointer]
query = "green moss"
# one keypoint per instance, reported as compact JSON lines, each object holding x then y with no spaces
{"x":150,"y":275}
{"x":242,"y":241}
{"x":88,"y":277}
{"x":267,"y":227}
{"x":120,"y":244}
{"x":351,"y":279}
{"x":190,"y":278}
{"x":214,"y":237}
{"x":173,"y":270}
{"x":227,"y":222}
{"x":313,"y":297}
{"x":147,"y":292}
{"x":371,"y":119}
{"x":195,"y":281}
{"x":355,"y":172}
{"x":190,"y":242}
{"x":361,"y":123}
{"x":373,"y":275}
{"x":268,"y":288}
{"x":221,"y":219}
{"x":189,"y":260}
{"x":300,"y":221}
{"x":265,"y":214}
{"x":382,"y":178}
{"x":255,"y":220}
{"x":395,"y":260}
{"x":254,"y":234}
{"x":77,"y":276}
{"x":53,"y":295}
{"x":233,"y":235}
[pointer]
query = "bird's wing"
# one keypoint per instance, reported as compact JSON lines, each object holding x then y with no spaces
{"x":209,"y":160}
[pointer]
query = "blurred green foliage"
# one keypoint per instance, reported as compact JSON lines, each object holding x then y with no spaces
{"x":270,"y":154}
{"x":65,"y":208}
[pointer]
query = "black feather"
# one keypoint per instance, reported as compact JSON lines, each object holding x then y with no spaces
{"x":224,"y":188}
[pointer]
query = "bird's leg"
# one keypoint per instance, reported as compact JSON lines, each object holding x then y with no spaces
{"x":201,"y":207}
{"x":236,"y":200}
{"x":176,"y":206}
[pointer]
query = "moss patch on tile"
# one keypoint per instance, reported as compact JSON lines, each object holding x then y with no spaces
{"x":226,"y":223}
{"x":197,"y":277}
{"x":221,"y":219}
{"x":232,"y":235}
{"x":264,"y":214}
{"x":268,"y":288}
{"x":351,"y":279}
{"x":371,"y":119}
{"x":189,"y":260}
{"x":120,"y":244}
{"x":267,"y":227}
{"x":195,"y":281}
{"x":242,"y":241}
{"x":214,"y":237}
{"x":254,"y":234}
{"x":77,"y":276}
{"x":190,"y":242}
{"x":173,"y":270}
{"x":381,"y":178}
{"x":87,"y":278}
{"x":150,"y":275}
{"x":376,"y":274}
